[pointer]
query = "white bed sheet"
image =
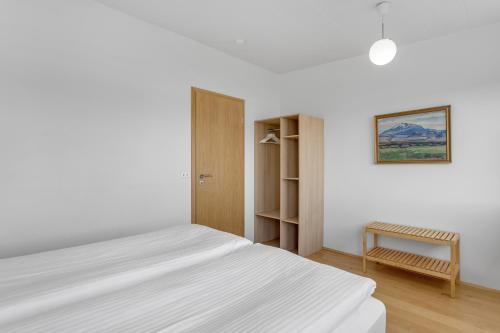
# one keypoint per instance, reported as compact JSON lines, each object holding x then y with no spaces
{"x":36,"y":283}
{"x":369,"y":317}
{"x":254,"y":289}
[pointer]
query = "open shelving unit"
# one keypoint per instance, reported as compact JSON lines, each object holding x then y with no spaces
{"x":289,"y":184}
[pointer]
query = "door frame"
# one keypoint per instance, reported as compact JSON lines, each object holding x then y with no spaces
{"x":195,"y":90}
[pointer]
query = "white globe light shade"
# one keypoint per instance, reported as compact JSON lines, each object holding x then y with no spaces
{"x":383,"y":51}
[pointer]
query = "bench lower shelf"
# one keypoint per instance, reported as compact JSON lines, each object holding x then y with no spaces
{"x":412,"y":262}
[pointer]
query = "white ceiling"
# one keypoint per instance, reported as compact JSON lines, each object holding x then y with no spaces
{"x":285,"y":35}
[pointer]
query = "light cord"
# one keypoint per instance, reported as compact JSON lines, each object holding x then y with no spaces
{"x":383,"y":28}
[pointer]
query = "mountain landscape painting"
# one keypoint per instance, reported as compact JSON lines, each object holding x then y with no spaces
{"x":414,"y":136}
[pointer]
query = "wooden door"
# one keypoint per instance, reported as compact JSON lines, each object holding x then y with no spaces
{"x":217,"y":195}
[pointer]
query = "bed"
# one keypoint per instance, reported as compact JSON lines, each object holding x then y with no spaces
{"x":39,"y":282}
{"x":249,"y":288}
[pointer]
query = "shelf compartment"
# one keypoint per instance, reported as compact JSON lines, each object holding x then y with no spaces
{"x":290,"y":126}
{"x":289,"y":200}
{"x":273,"y":242}
{"x":290,"y":158}
{"x":267,"y":183}
{"x":412,"y":262}
{"x":266,"y":229}
{"x":273,"y":214}
{"x":294,"y":220}
{"x":289,"y":237}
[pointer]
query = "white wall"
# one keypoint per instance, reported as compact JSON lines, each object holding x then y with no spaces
{"x":95,"y":130}
{"x":95,"y":122}
{"x":462,"y":70}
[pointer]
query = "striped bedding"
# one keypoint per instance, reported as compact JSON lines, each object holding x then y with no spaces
{"x":253,"y":289}
{"x":32,"y":284}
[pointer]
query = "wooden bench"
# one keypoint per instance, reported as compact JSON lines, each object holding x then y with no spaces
{"x":443,"y":269}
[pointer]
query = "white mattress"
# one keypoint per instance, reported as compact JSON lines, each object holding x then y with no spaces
{"x":254,"y":289}
{"x":36,"y":283}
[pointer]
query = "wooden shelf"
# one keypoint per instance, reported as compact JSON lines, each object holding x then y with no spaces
{"x":412,"y":262}
{"x":294,"y":220}
{"x":273,"y":214}
{"x":290,"y":178}
{"x":448,"y":270}
{"x":291,"y":137}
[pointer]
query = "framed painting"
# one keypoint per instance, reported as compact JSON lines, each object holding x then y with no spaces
{"x":418,"y":136}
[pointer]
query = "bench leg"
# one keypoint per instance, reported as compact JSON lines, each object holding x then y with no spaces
{"x":453,"y":263}
{"x":364,"y":250}
{"x":458,"y":262}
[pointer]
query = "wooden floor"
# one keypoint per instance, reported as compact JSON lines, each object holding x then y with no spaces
{"x":417,"y":303}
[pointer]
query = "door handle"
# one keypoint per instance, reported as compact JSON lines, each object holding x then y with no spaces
{"x":202,"y":177}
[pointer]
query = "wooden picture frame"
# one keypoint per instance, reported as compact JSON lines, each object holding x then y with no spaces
{"x":417,"y":136}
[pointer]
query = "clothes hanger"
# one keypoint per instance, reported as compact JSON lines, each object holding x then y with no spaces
{"x":271,"y":137}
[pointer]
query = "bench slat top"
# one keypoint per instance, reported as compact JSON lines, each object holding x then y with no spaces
{"x":425,"y":233}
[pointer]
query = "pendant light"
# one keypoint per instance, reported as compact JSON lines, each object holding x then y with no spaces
{"x":384,"y":50}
